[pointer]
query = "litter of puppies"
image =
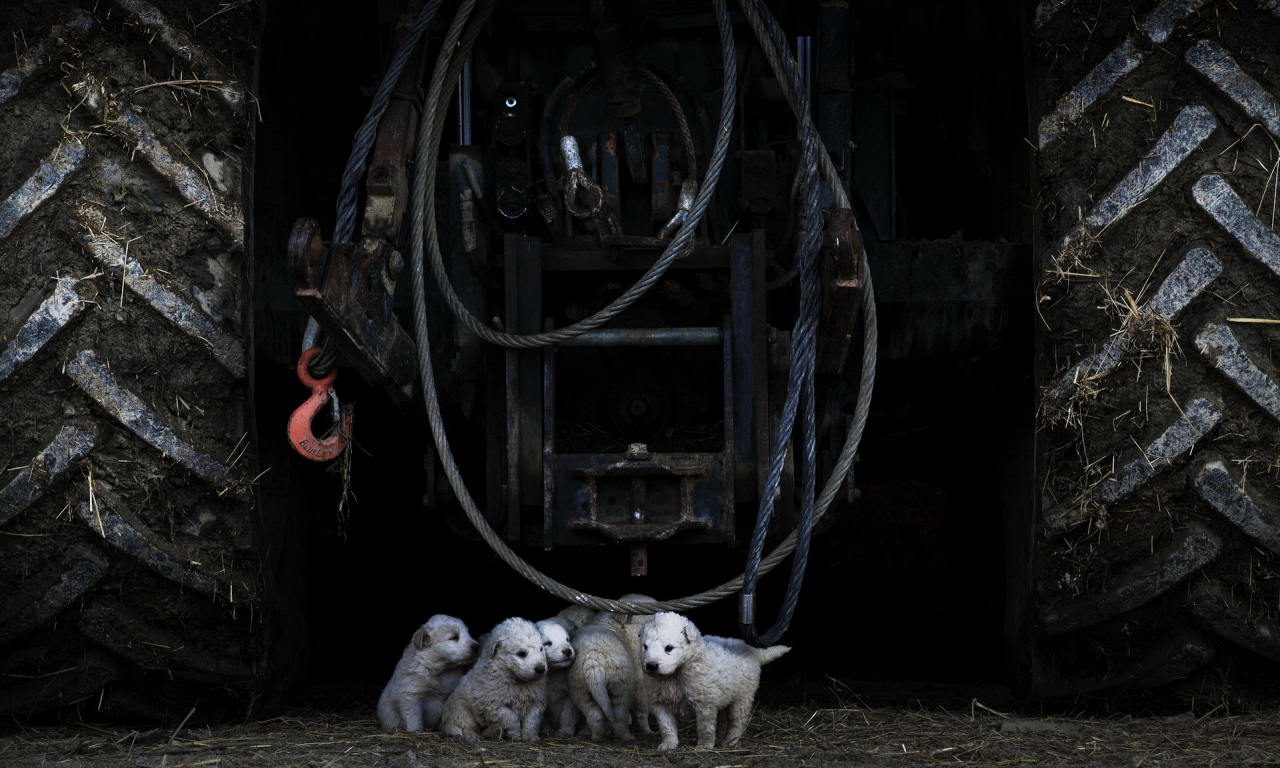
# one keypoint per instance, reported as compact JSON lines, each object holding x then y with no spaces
{"x":578,"y":673}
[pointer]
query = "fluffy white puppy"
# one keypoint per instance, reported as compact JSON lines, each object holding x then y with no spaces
{"x":633,"y":625}
{"x":576,"y":615}
{"x":561,"y":716}
{"x":429,"y":670}
{"x":602,"y":681}
{"x":505,"y":693}
{"x":715,"y":677}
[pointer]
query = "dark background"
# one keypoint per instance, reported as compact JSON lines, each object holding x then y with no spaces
{"x":907,"y":585}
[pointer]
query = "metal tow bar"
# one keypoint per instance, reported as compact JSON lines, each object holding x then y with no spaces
{"x":301,"y":437}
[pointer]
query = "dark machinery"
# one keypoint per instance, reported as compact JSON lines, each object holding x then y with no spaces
{"x":657,"y":426}
{"x":619,"y":254}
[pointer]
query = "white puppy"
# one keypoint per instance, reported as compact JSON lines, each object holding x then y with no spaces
{"x":562,"y":716}
{"x":633,"y":626}
{"x":428,"y":672}
{"x":505,"y":693}
{"x":711,"y":676}
{"x":576,"y":615}
{"x":602,"y":681}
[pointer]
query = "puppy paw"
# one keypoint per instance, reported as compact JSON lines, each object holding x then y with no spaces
{"x":530,"y":737}
{"x":667,"y":746}
{"x":562,"y":734}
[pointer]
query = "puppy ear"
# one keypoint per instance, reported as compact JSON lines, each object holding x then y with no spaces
{"x":685,"y":631}
{"x":496,"y":647}
{"x":421,"y":638}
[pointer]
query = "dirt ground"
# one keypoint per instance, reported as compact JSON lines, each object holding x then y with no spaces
{"x":850,"y":734}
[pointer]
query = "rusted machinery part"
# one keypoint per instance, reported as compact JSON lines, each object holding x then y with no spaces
{"x":362,"y":145}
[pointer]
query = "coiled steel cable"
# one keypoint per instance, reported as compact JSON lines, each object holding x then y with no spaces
{"x":773,"y":41}
{"x":686,"y":136}
{"x":800,"y":383}
{"x":562,"y":591}
{"x":678,"y":246}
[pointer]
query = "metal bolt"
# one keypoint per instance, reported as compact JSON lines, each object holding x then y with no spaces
{"x":395,"y":265}
{"x":511,"y":102}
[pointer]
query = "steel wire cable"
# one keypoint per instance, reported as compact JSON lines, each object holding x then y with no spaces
{"x":799,"y":387}
{"x":804,"y":343}
{"x":348,"y":194}
{"x":677,"y":248}
{"x":545,"y":131}
{"x":575,"y":99}
{"x":368,"y":131}
{"x":564,"y":592}
{"x":686,"y":136}
{"x":682,"y":122}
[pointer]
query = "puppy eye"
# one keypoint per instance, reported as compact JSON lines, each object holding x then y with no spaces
{"x":670,"y":648}
{"x":522,"y":654}
{"x":646,"y":646}
{"x":454,"y":638}
{"x":547,"y":643}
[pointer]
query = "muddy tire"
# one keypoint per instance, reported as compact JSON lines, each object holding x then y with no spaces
{"x":129,"y":574}
{"x":1156,"y":553}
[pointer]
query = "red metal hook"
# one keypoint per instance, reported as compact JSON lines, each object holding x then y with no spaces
{"x":300,"y":435}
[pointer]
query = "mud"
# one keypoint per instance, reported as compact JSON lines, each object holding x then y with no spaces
{"x":1163,"y":372}
{"x":173,"y":374}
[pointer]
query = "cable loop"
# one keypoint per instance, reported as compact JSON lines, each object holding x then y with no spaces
{"x":424,"y":228}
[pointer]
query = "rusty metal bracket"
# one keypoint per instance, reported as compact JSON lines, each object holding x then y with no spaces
{"x":637,"y":469}
{"x":640,"y":496}
{"x":387,"y":183}
{"x":348,"y":289}
{"x":842,"y":257}
{"x":387,"y":187}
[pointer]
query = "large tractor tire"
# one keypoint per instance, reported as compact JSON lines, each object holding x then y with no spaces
{"x":129,"y":574}
{"x":1157,"y":552}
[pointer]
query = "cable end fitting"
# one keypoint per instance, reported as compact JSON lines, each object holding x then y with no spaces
{"x":569,"y":152}
{"x":747,"y":609}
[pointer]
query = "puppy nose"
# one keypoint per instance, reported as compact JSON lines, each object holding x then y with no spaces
{"x":567,"y":654}
{"x":474,"y":646}
{"x":541,"y":668}
{"x":652,"y":666}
